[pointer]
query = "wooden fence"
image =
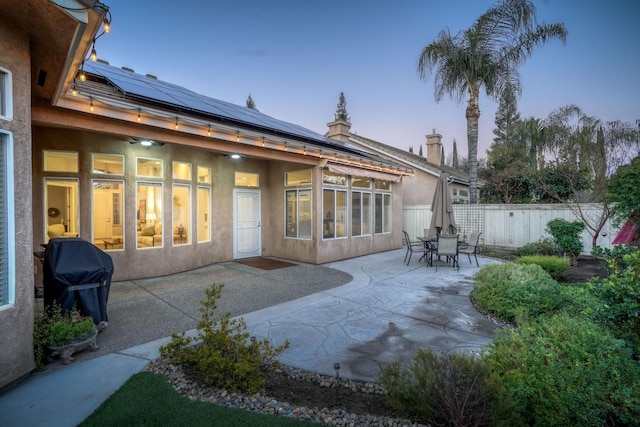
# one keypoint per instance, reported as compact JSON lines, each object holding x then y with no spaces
{"x":508,"y":226}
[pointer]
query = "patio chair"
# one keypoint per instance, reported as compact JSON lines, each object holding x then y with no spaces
{"x":448,"y":247}
{"x":472,"y":247}
{"x":414,"y":247}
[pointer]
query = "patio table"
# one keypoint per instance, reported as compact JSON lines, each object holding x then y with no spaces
{"x":430,"y":243}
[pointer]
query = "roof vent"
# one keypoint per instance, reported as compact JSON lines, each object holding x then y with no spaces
{"x":151,"y":76}
{"x":131,"y":70}
{"x":102,"y":61}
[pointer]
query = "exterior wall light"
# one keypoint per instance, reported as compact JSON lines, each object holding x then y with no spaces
{"x":146,"y":142}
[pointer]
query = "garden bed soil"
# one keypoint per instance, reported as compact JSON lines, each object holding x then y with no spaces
{"x":587,"y":268}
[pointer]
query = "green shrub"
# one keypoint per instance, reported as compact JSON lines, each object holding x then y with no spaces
{"x":615,"y":255}
{"x":566,"y":371}
{"x":620,"y":297}
{"x":541,"y":247}
{"x":225,"y":354}
{"x":516,"y":290}
{"x":579,"y":300}
{"x":451,"y":390}
{"x":553,"y":265}
{"x":566,"y":235}
{"x":56,"y":328}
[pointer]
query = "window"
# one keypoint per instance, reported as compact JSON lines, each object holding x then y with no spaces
{"x":6,"y":93}
{"x":460,"y":196}
{"x":302,"y":177}
{"x":298,"y":213}
{"x":7,"y":230}
{"x":360,"y":213}
{"x":60,"y":161}
{"x":149,"y":167}
{"x":383,"y":185}
{"x":360,"y":182}
{"x":181,"y":170}
{"x":333,"y":178}
{"x":108,"y":230}
{"x":244,"y":179}
{"x":112,"y":164}
{"x":181,"y":214}
{"x":149,"y":215}
{"x":62,"y":214}
{"x":383,"y":213}
{"x":204,"y":175}
{"x":204,"y":214}
{"x":298,"y":205}
{"x":334,"y":210}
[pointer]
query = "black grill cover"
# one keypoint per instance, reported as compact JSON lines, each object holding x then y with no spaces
{"x":76,"y":271}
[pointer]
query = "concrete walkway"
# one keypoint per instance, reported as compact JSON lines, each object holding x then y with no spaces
{"x":384,"y":312}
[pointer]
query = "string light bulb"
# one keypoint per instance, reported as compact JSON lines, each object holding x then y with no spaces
{"x":91,"y":103}
{"x":209,"y":130}
{"x":237,"y":136}
{"x":82,"y":76}
{"x":74,"y":89}
{"x":263,"y":143}
{"x":93,"y":56}
{"x":304,"y":150}
{"x":286,"y":147}
{"x":176,"y":122}
{"x":139,"y":115}
{"x":106,"y":25}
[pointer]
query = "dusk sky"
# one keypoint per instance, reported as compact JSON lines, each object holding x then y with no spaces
{"x":295,"y":57}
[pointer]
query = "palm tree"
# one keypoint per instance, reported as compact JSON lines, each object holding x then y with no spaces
{"x":486,"y":55}
{"x":533,"y":131}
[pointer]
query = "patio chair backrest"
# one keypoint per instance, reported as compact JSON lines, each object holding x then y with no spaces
{"x":406,"y":238}
{"x":448,"y":244}
{"x":475,"y":237}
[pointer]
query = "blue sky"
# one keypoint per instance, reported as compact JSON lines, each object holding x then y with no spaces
{"x":295,"y":57}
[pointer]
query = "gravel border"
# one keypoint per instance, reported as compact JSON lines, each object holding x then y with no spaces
{"x":264,"y":404}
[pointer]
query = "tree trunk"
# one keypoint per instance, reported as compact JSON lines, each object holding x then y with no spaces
{"x":473,"y":114}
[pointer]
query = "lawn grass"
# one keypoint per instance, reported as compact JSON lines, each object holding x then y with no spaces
{"x":147,"y":399}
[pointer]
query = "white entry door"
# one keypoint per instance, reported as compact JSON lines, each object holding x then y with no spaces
{"x":247,"y":241}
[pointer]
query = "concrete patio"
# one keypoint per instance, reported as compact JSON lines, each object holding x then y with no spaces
{"x":362,"y":313}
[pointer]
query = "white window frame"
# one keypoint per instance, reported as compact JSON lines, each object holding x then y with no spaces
{"x":347,"y":213}
{"x":174,"y":166}
{"x":158,"y":176}
{"x":100,"y":173}
{"x":187,"y":236}
{"x":71,"y":155}
{"x":362,"y":205}
{"x":383,"y":213}
{"x":162,"y":209}
{"x":7,"y":197}
{"x":121,"y":217}
{"x":6,"y":94}
{"x":206,"y":221}
{"x":297,"y":222}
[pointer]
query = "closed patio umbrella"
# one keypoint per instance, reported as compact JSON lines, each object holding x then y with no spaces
{"x":442,"y":218}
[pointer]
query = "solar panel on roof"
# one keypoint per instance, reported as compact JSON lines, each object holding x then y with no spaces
{"x":138,"y":85}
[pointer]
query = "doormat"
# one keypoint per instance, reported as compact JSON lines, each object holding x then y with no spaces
{"x":264,"y":263}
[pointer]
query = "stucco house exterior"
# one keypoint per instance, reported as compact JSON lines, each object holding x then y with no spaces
{"x":417,"y":189}
{"x":161,"y":178}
